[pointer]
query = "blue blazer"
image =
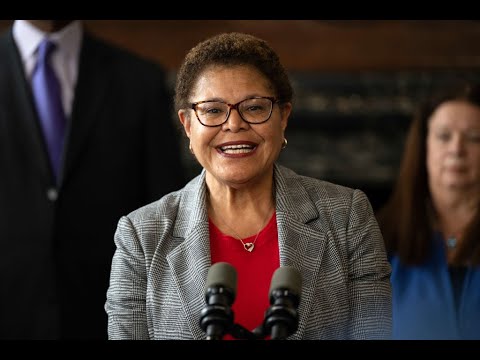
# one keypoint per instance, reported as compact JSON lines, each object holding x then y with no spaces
{"x":424,"y":304}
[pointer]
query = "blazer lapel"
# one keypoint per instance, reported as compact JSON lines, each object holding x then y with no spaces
{"x":26,"y":126}
{"x":93,"y":82}
{"x":191,"y":260}
{"x":300,"y":246}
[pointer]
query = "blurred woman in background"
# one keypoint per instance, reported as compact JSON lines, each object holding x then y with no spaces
{"x":431,"y":223}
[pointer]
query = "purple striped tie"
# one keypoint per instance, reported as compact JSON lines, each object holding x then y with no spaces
{"x":47,"y":94}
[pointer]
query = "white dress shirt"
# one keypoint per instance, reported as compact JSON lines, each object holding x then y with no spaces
{"x":64,"y":60}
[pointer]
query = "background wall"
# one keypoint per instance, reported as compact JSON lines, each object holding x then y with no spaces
{"x":311,"y":45}
{"x":356,"y":82}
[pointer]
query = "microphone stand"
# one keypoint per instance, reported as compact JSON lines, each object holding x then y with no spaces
{"x":259,"y":333}
{"x":241,"y":333}
{"x":281,"y":320}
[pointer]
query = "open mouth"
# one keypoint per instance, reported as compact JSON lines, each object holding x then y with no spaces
{"x":237,"y":149}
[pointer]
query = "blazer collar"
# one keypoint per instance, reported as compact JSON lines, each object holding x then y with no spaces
{"x":20,"y":106}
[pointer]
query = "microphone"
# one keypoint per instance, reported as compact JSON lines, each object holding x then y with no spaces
{"x":217,"y":317}
{"x":281,"y":318}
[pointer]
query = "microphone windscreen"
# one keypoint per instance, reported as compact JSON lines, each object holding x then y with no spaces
{"x":286,"y":277}
{"x":223,"y":274}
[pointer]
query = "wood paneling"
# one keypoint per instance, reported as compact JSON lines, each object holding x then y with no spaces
{"x":312,"y":45}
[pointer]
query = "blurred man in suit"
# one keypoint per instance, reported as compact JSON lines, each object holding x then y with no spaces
{"x":118,"y":151}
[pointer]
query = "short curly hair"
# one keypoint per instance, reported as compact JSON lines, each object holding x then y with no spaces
{"x":231,"y":49}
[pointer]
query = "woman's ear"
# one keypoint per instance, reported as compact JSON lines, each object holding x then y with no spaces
{"x":185,"y":120}
{"x":285,"y":110}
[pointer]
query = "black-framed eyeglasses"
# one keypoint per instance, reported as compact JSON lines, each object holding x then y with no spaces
{"x":255,"y":110}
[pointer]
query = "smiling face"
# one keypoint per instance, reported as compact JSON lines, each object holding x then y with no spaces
{"x":235,"y":153}
{"x":453,"y":146}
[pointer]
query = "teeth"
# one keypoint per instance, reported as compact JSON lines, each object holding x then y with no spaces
{"x":237,"y":149}
{"x":233,"y":147}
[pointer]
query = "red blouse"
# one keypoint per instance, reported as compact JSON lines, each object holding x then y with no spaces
{"x":254,"y":270}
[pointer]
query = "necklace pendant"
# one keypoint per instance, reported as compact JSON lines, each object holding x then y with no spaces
{"x":451,"y":243}
{"x":249,"y":246}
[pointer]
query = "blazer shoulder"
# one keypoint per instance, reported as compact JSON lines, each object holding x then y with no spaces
{"x":7,"y":46}
{"x":166,"y":207}
{"x":323,"y":200}
{"x":169,"y":205}
{"x":6,"y":35}
{"x":316,"y":188}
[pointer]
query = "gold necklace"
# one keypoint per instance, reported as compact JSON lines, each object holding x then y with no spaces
{"x":249,"y":246}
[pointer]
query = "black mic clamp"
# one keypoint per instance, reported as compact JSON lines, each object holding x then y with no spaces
{"x":281,"y":318}
{"x":216,"y":319}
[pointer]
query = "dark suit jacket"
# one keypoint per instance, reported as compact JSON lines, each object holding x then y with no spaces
{"x":56,"y":243}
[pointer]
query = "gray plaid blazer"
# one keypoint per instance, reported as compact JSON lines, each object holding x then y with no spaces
{"x":327,"y":231}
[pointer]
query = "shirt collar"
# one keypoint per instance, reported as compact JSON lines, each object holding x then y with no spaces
{"x":28,"y":38}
